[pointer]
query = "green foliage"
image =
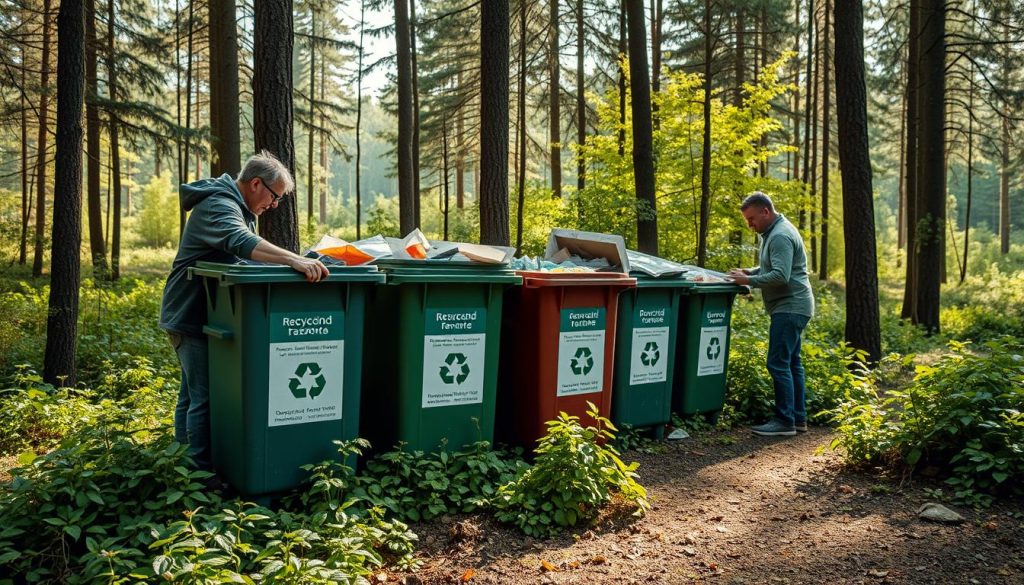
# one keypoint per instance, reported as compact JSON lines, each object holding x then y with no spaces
{"x":962,"y":415}
{"x":158,"y":221}
{"x":576,"y":472}
{"x":419,"y":486}
{"x":36,"y":417}
{"x":541,"y":213}
{"x":985,"y":306}
{"x":383,"y":217}
{"x":608,"y":203}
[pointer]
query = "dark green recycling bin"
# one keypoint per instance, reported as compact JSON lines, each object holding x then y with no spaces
{"x":702,"y":351}
{"x":285,"y":368}
{"x":645,"y":352}
{"x":431,"y":361}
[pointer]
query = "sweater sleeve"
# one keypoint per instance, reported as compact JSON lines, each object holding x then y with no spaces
{"x":222,"y":227}
{"x":780,"y":253}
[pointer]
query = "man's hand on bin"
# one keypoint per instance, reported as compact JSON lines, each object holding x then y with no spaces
{"x":313,"y":269}
{"x":739,"y":276}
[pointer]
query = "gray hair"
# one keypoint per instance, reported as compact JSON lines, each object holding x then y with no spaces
{"x":267,"y":167}
{"x":757,"y":199}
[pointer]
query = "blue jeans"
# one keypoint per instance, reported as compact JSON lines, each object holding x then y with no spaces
{"x":192,"y":414}
{"x":785,"y":367}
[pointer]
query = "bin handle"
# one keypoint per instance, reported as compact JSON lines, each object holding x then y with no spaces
{"x":218,"y":332}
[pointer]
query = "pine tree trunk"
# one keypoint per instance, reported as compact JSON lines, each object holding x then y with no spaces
{"x":177,"y":95}
{"x":815,"y":90}
{"x":970,"y":172}
{"x":460,"y":154}
{"x":494,"y":61}
{"x":931,"y":163}
{"x":359,"y":121}
{"x":796,"y":94}
{"x":623,"y":49}
{"x":323,"y":146}
{"x":705,"y":165}
{"x":115,"y":152}
{"x":26,"y":198}
{"x":643,"y":143}
{"x":808,"y":113}
{"x":521,"y":131}
{"x":554,"y":106}
{"x":901,"y":228}
{"x":826,"y":141}
{"x":407,"y":195}
{"x":862,"y":318}
{"x":310,"y":181}
{"x":225,"y":136}
{"x":62,"y":317}
{"x":1004,"y":189}
{"x":657,"y":16}
{"x":273,"y":111}
{"x":97,"y":246}
{"x":741,"y":54}
{"x":415,"y":111}
{"x":581,"y":101}
{"x":444,"y":171}
{"x":44,"y":108}
{"x":909,"y":310}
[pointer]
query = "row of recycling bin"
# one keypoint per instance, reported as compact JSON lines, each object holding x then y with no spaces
{"x":408,"y":351}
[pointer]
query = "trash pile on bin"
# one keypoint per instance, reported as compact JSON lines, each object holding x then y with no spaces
{"x":334,"y":251}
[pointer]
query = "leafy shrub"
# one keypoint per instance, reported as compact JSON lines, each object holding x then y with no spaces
{"x":418,"y":486}
{"x":962,"y":415}
{"x":986,"y":306}
{"x":158,"y":218}
{"x":574,"y":474}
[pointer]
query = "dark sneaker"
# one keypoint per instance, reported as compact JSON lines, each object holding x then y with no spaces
{"x":774,"y":428}
{"x":801,"y":426}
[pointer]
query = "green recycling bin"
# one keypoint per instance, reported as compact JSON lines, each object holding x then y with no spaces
{"x":645,"y":352}
{"x":702,"y":351}
{"x":285,"y":367}
{"x":431,"y":363}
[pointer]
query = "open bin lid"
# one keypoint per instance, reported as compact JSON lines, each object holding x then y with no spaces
{"x":400,"y":271}
{"x":538,"y":279}
{"x":271,"y":273}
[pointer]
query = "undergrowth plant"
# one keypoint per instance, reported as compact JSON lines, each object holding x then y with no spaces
{"x":575,"y":473}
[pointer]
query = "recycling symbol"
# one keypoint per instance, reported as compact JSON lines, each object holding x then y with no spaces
{"x":582,"y":362}
{"x":454,"y":370}
{"x":714,"y":348}
{"x":650,"y":355}
{"x":307,"y":379}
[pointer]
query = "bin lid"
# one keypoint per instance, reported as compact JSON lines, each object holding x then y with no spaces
{"x":401,"y":271}
{"x":537,"y":279}
{"x":677,"y":281}
{"x":268,"y":273}
{"x":705,"y":288}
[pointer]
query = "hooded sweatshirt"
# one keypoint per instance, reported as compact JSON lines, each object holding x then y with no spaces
{"x":220,"y":229}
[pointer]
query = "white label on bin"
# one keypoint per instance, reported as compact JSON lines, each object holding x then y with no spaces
{"x":711,"y":356}
{"x":454,"y":355}
{"x":649,"y":356}
{"x":306,"y":367}
{"x":581,"y":351}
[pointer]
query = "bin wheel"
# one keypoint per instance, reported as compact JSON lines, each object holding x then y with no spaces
{"x":712,"y":417}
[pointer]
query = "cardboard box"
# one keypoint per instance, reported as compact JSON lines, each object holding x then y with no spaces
{"x":589,"y":245}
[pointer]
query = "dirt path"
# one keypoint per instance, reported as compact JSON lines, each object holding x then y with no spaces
{"x":732,"y":508}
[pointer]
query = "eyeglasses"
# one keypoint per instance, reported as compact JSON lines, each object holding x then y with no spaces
{"x":273,"y":194}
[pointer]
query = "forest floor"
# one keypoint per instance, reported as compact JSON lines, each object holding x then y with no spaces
{"x":732,"y":508}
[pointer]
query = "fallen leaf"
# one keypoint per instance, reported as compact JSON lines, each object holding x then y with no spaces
{"x":878,"y":573}
{"x":574,"y":565}
{"x":468,"y":575}
{"x":991,"y":526}
{"x":598,"y":560}
{"x":846,"y":489}
{"x":548,"y":567}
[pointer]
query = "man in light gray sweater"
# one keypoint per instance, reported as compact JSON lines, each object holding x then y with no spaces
{"x":789,"y":301}
{"x":220,"y":228}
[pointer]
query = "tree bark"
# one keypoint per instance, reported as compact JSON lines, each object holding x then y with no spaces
{"x":460,"y":155}
{"x":521,"y":131}
{"x":273,"y":112}
{"x":115,"y":151}
{"x":862,"y":318}
{"x":554,"y":106}
{"x":44,"y":108}
{"x":623,"y":49}
{"x":1004,"y":189}
{"x":826,"y":141}
{"x":323,"y":145}
{"x":741,"y":53}
{"x":581,"y":101}
{"x":970,"y":171}
{"x":815,"y":91}
{"x":407,"y":195}
{"x":657,"y":17}
{"x":494,"y":62}
{"x":310,"y":181}
{"x":415,"y":110}
{"x":796,"y":93}
{"x":705,"y":166}
{"x":97,"y":246}
{"x":26,"y":199}
{"x":62,"y":317}
{"x":808,"y":112}
{"x":643,"y":143}
{"x":225,"y":136}
{"x":931,"y":164}
{"x":359,"y":120}
{"x":909,"y":310}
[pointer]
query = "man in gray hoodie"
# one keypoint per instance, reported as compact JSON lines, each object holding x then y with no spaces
{"x":220,"y":228}
{"x":789,"y":301}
